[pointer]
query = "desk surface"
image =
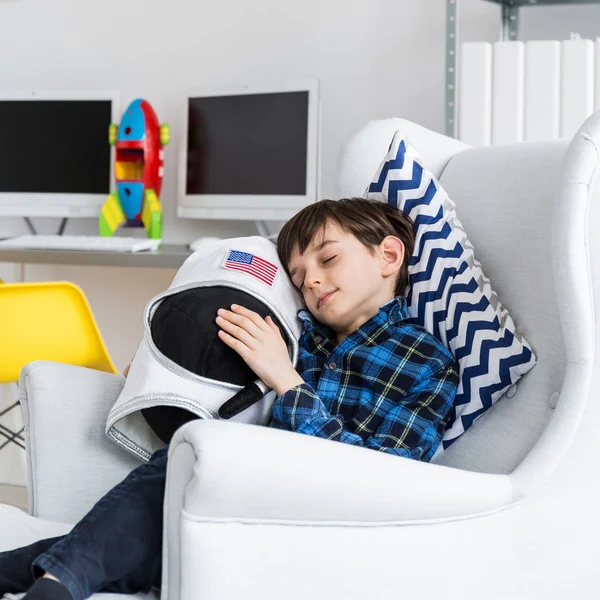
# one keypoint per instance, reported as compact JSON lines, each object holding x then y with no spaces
{"x":168,"y":256}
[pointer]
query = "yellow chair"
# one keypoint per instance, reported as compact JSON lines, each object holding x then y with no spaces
{"x":46,"y":321}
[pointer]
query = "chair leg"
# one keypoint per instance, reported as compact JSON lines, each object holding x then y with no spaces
{"x":9,"y":408}
{"x":15,"y":405}
{"x":17,"y":435}
{"x":11,"y":436}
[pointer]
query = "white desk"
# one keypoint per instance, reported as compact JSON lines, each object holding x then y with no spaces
{"x":168,"y":256}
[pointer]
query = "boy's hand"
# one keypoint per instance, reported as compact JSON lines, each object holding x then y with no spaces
{"x":259,"y":342}
{"x":126,"y":369}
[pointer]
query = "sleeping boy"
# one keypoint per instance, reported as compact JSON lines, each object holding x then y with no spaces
{"x":365,"y":375}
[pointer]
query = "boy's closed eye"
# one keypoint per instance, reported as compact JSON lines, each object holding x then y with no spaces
{"x":300,"y":284}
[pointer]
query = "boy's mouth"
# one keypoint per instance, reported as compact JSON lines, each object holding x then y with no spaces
{"x":325,"y":298}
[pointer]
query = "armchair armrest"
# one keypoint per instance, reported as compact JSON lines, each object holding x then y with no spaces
{"x":250,"y":472}
{"x":71,"y":462}
{"x":270,"y":504}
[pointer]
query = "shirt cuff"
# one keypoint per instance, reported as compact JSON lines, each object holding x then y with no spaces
{"x":298,"y":405}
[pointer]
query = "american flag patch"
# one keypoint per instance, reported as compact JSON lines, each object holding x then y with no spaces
{"x":260,"y":268}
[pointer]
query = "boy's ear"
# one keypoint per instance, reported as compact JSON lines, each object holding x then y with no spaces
{"x":391,"y":251}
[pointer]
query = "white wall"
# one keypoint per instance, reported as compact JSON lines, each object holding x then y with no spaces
{"x":374,"y":59}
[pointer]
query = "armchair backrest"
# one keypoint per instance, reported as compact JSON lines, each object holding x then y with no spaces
{"x":527,"y":222}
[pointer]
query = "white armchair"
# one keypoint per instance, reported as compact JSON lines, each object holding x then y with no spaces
{"x":509,"y":511}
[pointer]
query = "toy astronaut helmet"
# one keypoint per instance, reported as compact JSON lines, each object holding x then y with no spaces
{"x":184,"y":330}
{"x":182,"y":369}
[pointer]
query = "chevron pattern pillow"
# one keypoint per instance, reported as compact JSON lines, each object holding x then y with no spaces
{"x":448,"y":293}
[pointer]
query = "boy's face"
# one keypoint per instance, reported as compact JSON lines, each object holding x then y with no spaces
{"x":342,"y":282}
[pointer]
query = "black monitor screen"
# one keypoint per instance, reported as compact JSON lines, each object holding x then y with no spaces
{"x":55,"y":146}
{"x":248,"y":144}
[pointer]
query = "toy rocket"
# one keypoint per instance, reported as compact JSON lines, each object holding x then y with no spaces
{"x":139,"y":142}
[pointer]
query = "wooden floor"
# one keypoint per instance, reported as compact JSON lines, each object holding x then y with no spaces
{"x":14,"y":495}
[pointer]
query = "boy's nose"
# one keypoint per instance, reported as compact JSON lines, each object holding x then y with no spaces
{"x":312,"y":279}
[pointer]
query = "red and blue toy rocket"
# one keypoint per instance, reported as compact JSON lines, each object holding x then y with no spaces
{"x":139,"y":142}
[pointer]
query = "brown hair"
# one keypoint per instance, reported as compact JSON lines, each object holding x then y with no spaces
{"x":369,"y":221}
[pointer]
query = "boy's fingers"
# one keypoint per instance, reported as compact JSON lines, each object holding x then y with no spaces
{"x":241,"y":321}
{"x":249,"y":314}
{"x":233,"y":343}
{"x":235,"y":331}
{"x":271,"y":323}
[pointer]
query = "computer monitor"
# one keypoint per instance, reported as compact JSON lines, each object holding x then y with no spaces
{"x":249,"y":152}
{"x":55,"y":158}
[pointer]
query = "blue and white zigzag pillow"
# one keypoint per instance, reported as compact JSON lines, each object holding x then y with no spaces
{"x":448,"y":293}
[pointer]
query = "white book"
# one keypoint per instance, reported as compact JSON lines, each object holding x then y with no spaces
{"x":542,"y":90}
{"x":508,"y":108}
{"x":577,"y":85}
{"x":475,"y":94}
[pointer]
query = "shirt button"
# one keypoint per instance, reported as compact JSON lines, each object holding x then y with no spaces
{"x":318,"y":339}
{"x":332,"y":366}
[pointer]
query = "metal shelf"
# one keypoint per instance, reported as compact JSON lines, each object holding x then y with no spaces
{"x":509,"y":31}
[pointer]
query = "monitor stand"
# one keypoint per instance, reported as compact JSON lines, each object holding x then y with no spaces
{"x":263,"y":230}
{"x":33,"y":230}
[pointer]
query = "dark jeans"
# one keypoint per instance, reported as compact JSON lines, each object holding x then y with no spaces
{"x":116,"y":547}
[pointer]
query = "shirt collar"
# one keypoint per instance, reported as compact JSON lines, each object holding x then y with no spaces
{"x":392,"y":312}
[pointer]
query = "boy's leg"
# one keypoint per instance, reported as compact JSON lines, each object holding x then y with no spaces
{"x":16,"y":574}
{"x":15,"y":566}
{"x":117,"y":546}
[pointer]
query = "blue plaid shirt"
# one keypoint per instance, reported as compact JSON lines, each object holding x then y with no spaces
{"x":389,"y":385}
